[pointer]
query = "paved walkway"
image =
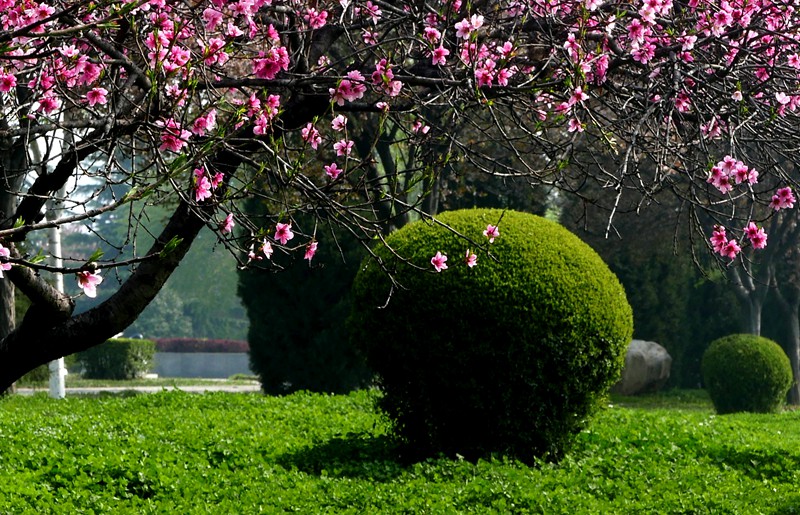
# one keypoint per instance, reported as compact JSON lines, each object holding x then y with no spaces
{"x":237,"y":388}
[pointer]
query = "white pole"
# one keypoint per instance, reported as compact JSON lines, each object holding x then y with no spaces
{"x":57,"y":369}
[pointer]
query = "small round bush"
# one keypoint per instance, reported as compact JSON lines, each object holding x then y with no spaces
{"x":510,"y":356}
{"x":745,"y":372}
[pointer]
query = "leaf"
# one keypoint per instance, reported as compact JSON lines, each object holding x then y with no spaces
{"x":38,"y":258}
{"x":170,"y":246}
{"x":95,"y":256}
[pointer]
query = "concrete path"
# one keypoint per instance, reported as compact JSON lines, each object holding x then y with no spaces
{"x":238,"y":388}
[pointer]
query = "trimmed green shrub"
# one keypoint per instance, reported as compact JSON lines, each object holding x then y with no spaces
{"x":118,"y":358}
{"x":510,"y":356}
{"x":200,"y":345}
{"x":745,"y":372}
{"x":297,"y":335}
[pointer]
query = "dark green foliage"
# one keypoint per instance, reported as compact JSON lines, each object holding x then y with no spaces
{"x":120,"y":358}
{"x":745,"y":372}
{"x":510,"y":356}
{"x":672,"y":297}
{"x":297,"y":336}
{"x":199,"y":345}
{"x":672,"y":303}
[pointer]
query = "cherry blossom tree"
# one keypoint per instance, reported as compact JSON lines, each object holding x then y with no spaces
{"x":354,"y":111}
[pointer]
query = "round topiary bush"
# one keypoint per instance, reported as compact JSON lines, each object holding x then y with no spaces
{"x":509,"y":356}
{"x":745,"y":372}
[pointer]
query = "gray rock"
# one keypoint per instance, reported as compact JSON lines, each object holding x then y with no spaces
{"x":647,"y":366}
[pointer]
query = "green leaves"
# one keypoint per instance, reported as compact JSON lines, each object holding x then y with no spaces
{"x":175,"y":452}
{"x":170,"y":246}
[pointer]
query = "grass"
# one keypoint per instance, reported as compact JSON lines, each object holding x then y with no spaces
{"x":174,"y":452}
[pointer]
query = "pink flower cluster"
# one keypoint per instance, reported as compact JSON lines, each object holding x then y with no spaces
{"x":204,"y":184}
{"x":783,"y":199}
{"x":350,"y":89}
{"x":731,"y":248}
{"x":731,"y":171}
{"x":174,"y":137}
{"x":383,"y":79}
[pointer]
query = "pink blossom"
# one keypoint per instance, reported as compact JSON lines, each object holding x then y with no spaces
{"x":316,"y":19}
{"x":97,"y":96}
{"x":283,"y":233}
{"x":311,"y":135}
{"x":269,"y":64}
{"x":266,"y":249}
{"x":575,"y":125}
{"x":782,"y":98}
{"x":202,"y":189}
{"x":578,"y":96}
{"x":174,"y":137}
{"x":432,"y":35}
{"x":730,"y":249}
{"x":491,"y":232}
{"x":439,"y":56}
{"x":4,"y":265}
{"x":349,"y":89}
{"x":339,"y":123}
{"x":205,"y":123}
{"x":333,"y":171}
{"x":783,"y":199}
{"x":343,"y":147}
{"x":7,"y":82}
{"x":252,"y":256}
{"x":373,"y":11}
{"x":438,"y":261}
{"x":49,"y":103}
{"x":88,"y":282}
{"x":718,"y":238}
{"x":420,"y":127}
{"x":471,"y":258}
{"x":756,"y":235}
{"x":311,"y":249}
{"x":212,"y":18}
{"x":227,"y":226}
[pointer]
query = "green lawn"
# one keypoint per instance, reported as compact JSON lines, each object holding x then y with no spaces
{"x":175,"y":452}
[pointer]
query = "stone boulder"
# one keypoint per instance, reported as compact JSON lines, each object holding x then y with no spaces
{"x":646,"y":368}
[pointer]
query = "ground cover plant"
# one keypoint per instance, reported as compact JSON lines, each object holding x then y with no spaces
{"x":220,"y":453}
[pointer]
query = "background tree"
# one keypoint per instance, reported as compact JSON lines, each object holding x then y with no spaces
{"x":208,"y":99}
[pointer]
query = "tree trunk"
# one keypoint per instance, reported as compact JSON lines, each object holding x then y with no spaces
{"x":49,"y":331}
{"x":13,"y":165}
{"x":793,"y":351}
{"x":754,"y":308}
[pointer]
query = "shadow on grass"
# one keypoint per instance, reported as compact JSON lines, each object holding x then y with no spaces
{"x":758,"y":464}
{"x":788,"y":506}
{"x":357,"y":456}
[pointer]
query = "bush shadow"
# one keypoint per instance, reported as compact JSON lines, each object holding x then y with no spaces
{"x":355,"y":456}
{"x":789,"y":506}
{"x":757,"y":464}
